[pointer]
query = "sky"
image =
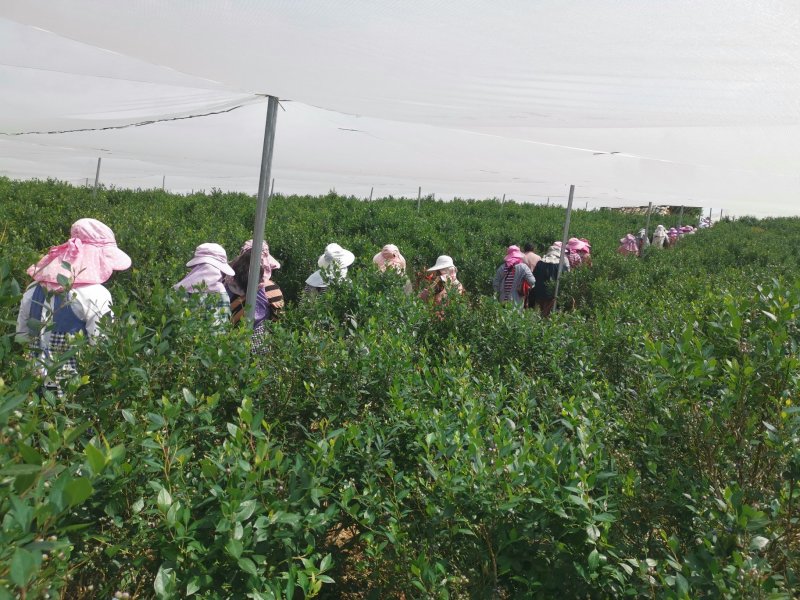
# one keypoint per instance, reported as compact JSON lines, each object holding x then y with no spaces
{"x":632,"y":102}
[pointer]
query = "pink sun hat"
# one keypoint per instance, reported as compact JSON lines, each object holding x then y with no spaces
{"x":390,"y":256}
{"x":514,"y":256}
{"x":576,"y":245}
{"x":268,"y":261}
{"x":91,"y":253}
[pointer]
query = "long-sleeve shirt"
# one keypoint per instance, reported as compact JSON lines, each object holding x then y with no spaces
{"x":521,"y":272}
{"x":88,"y":302}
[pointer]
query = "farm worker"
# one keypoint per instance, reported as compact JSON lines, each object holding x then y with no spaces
{"x":531,"y":258}
{"x":579,"y":253}
{"x":209,"y":265}
{"x":642,"y":240}
{"x":268,"y":262}
{"x":68,"y":301}
{"x":511,"y":278}
{"x":269,"y":299}
{"x":628,"y":245}
{"x":546,"y":273}
{"x":445,"y":273}
{"x":659,"y":236}
{"x":672,"y":236}
{"x":686,"y":230}
{"x":390,"y":256}
{"x":333,"y":264}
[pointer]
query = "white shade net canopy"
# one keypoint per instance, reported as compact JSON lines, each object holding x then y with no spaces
{"x":633,"y":101}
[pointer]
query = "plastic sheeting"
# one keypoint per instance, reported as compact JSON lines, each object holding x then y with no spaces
{"x":679,"y":102}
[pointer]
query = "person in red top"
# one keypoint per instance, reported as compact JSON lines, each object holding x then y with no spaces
{"x":444,"y":282}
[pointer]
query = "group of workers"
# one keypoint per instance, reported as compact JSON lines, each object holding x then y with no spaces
{"x":662,"y":238}
{"x":68,"y":297}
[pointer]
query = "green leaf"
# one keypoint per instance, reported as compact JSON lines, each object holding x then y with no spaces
{"x":604,"y":517}
{"x":163,"y":583}
{"x":192,"y":586}
{"x":248,"y":566}
{"x":189,"y":397}
{"x":594,"y":560}
{"x":164,"y":500}
{"x":97,"y":460}
{"x":137,"y":506}
{"x":246,"y":510}
{"x":31,"y":456}
{"x":290,"y":584}
{"x":682,"y":584}
{"x":74,"y":434}
{"x":234,"y":548}
{"x":77,"y":491}
{"x":23,"y":565}
{"x":326,"y":563}
{"x":128,"y":416}
{"x":15,"y":470}
{"x":172,"y":514}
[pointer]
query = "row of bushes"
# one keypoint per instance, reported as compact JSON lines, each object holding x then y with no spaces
{"x":643,"y":443}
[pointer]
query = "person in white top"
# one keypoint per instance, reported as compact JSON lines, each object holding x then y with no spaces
{"x":67,"y":297}
{"x":333,"y":265}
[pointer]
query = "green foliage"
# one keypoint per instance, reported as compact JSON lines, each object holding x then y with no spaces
{"x":642,"y":442}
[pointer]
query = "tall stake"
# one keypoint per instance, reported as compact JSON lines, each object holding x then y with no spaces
{"x":96,"y":177}
{"x":503,"y":201}
{"x":564,"y":240}
{"x":272,"y":188}
{"x":680,"y":217}
{"x":720,"y":214}
{"x":261,"y":209}
{"x":372,"y":189}
{"x":419,"y":197}
{"x":163,"y":182}
{"x":649,"y":212}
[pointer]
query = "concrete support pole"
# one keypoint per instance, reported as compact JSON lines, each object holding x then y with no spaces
{"x":564,"y":240}
{"x":261,"y":208}
{"x":97,"y":177}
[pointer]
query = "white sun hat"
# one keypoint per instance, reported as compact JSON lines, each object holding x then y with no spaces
{"x":335,"y":254}
{"x":443,"y":262}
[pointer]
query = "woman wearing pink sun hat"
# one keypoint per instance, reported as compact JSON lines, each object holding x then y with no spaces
{"x":511,"y":277}
{"x":579,"y":253}
{"x":67,"y":297}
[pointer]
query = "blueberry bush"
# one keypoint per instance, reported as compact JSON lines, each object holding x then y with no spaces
{"x":641,"y":442}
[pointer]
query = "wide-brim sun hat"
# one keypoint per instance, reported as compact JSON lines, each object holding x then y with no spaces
{"x":335,"y":254}
{"x":514,"y":252}
{"x":576,"y":245}
{"x":91,"y":253}
{"x":211,"y":254}
{"x":273,"y":263}
{"x":443,"y":262}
